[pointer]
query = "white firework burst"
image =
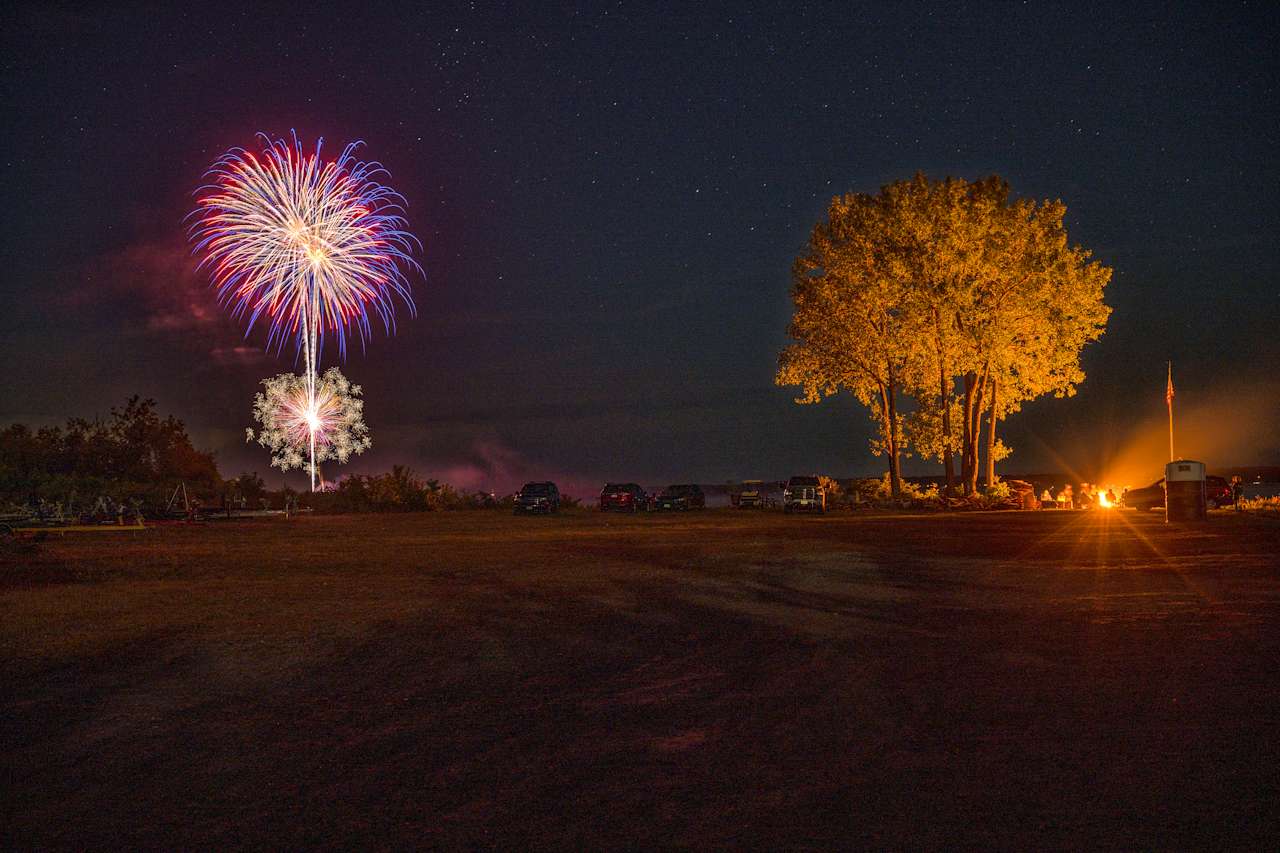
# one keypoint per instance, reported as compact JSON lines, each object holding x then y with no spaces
{"x":300,"y":422}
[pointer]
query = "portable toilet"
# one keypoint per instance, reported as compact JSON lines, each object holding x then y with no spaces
{"x":1184,"y":491}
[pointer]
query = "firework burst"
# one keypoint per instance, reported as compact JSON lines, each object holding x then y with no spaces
{"x":311,"y":247}
{"x":302,"y":427}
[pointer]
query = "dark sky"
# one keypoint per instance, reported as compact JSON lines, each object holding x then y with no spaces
{"x":610,"y":197}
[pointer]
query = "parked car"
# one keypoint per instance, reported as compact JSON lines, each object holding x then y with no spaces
{"x":1217,"y":493}
{"x":1146,"y":497}
{"x":623,"y":497}
{"x":751,"y":494}
{"x":682,"y":497}
{"x":538,"y":497}
{"x":804,"y":494}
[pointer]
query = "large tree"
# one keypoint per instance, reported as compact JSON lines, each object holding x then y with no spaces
{"x":948,"y":292}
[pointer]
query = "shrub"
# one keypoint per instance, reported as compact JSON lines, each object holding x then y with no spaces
{"x":1263,"y":505}
{"x":399,"y":490}
{"x":836,"y":495}
{"x":998,"y":491}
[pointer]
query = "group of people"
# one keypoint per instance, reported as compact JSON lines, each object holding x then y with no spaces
{"x":1089,"y":496}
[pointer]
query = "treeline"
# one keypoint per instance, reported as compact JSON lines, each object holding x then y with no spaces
{"x":136,"y":457}
{"x":943,"y":306}
{"x":133,"y":454}
{"x":399,"y":490}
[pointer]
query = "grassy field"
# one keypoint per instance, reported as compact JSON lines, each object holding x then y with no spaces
{"x":1020,"y":680}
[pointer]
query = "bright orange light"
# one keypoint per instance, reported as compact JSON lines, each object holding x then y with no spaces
{"x":1106,"y":502}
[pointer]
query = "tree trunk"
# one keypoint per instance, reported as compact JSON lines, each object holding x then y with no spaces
{"x":946,"y":388}
{"x":889,"y":432}
{"x":895,"y":460}
{"x":991,"y":438}
{"x":948,"y":458}
{"x":966,"y":431}
{"x":974,"y":386}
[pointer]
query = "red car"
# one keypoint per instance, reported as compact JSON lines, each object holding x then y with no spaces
{"x":623,"y":497}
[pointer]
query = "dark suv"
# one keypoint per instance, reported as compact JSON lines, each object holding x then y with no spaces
{"x":623,"y":497}
{"x":804,"y":494}
{"x":538,"y":497}
{"x":688,"y":496}
{"x":1217,"y":493}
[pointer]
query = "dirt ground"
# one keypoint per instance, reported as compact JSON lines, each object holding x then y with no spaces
{"x":1012,"y":680}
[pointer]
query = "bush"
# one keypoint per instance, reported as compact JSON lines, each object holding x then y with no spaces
{"x":399,"y":490}
{"x":836,"y":495}
{"x":997,"y":491}
{"x":1262,"y":505}
{"x":866,"y":490}
{"x":880,"y":492}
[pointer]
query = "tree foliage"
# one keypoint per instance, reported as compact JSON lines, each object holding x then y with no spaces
{"x":848,"y":321}
{"x":952,"y":294}
{"x":132,"y":453}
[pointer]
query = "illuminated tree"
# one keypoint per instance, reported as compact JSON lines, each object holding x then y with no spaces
{"x":934,"y":231}
{"x":951,"y":294}
{"x":1023,"y":315}
{"x":848,"y":320}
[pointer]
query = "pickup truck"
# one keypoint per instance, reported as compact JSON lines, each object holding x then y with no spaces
{"x":804,"y":494}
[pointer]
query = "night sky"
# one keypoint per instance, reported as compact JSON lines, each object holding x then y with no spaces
{"x":610,"y":198}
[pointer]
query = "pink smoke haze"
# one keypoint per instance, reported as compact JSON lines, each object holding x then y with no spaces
{"x":493,"y":467}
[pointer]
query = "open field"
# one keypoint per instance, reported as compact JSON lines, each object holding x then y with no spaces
{"x":713,"y":679}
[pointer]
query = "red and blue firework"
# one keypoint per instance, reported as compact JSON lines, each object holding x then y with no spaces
{"x":312,"y":247}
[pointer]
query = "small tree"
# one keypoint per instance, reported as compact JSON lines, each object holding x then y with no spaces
{"x":250,"y":486}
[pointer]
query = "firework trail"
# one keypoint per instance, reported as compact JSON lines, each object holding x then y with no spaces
{"x":312,"y":248}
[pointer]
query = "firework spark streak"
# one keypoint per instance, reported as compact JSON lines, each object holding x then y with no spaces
{"x":302,"y":427}
{"x":312,"y":248}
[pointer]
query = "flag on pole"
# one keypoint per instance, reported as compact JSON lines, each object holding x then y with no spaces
{"x":1168,"y":390}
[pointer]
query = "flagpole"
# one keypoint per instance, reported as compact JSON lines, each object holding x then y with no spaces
{"x":1168,"y":399}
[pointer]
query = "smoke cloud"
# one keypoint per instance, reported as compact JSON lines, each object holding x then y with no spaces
{"x":1233,"y":426}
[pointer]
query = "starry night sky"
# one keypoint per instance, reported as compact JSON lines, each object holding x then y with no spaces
{"x":610,"y":197}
